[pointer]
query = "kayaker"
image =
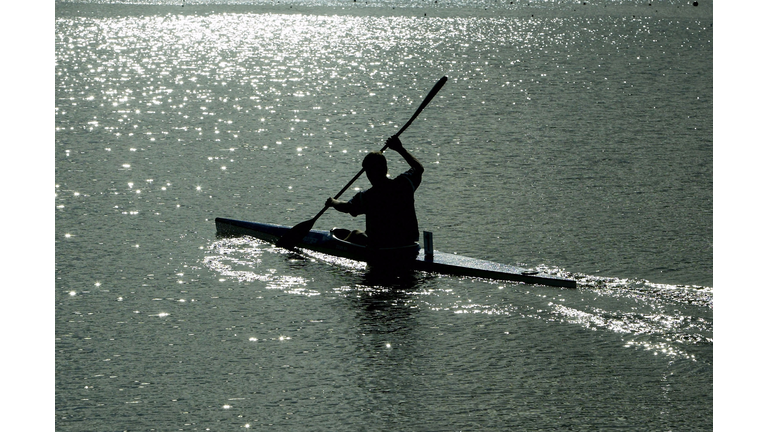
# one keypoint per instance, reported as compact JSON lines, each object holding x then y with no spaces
{"x":390,"y":215}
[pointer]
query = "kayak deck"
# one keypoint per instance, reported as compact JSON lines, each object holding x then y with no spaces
{"x":460,"y":265}
{"x":438,"y":262}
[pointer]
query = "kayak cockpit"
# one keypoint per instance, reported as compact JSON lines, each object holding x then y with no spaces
{"x":356,"y":237}
{"x":388,"y":257}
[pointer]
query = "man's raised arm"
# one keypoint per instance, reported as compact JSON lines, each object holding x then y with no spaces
{"x":395,"y":144}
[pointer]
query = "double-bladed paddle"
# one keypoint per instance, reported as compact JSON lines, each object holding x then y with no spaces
{"x":290,"y":239}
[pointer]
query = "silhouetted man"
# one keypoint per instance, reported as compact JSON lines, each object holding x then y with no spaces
{"x":390,"y":215}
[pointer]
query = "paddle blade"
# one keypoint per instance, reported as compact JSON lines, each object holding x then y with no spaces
{"x":295,"y":235}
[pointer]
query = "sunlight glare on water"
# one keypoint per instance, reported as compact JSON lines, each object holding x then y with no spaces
{"x":239,"y":259}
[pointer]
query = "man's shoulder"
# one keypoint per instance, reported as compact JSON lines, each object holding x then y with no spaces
{"x":412,"y":177}
{"x":411,"y":173}
{"x":357,"y":203}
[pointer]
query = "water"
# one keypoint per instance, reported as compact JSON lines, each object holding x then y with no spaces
{"x":571,"y":138}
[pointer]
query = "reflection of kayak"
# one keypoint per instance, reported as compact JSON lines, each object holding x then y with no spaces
{"x":326,"y":242}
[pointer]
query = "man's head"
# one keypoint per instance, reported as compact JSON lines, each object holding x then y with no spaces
{"x":375,"y":166}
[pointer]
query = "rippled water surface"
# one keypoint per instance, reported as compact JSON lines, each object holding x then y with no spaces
{"x":575,"y":139}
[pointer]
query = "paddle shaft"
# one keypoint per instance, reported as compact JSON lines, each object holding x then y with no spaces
{"x":423,"y":105}
{"x":297,"y":233}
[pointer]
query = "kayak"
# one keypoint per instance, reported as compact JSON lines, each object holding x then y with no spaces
{"x":429,"y":260}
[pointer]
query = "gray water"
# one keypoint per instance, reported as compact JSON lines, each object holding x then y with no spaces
{"x":575,"y":139}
